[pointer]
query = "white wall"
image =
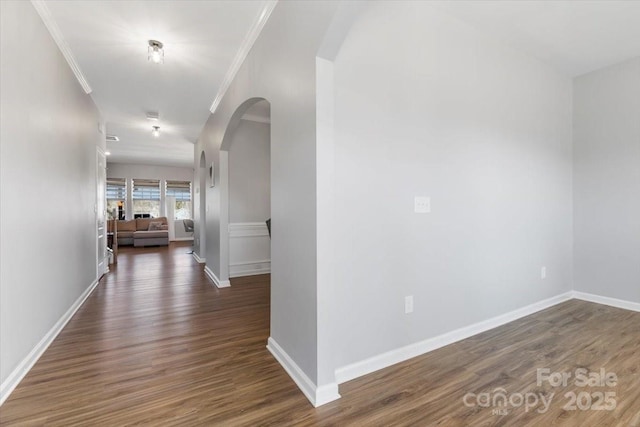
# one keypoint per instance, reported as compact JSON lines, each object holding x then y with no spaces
{"x":200,"y":190}
{"x":162,"y":173}
{"x":249,"y":199}
{"x":606,"y":132}
{"x":49,"y":134}
{"x":427,"y":106}
{"x":281,"y":69}
{"x":249,"y":175}
{"x":123,"y":170}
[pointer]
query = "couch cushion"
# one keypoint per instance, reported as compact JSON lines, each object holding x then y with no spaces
{"x":125,"y":234}
{"x":129,"y":225}
{"x":155,"y":225}
{"x":125,"y":241}
{"x":150,"y":234}
{"x":142,"y":224}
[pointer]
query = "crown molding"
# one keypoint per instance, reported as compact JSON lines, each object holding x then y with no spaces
{"x":245,"y":47}
{"x":54,"y":30}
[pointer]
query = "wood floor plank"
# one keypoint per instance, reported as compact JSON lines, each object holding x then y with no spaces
{"x":157,"y":344}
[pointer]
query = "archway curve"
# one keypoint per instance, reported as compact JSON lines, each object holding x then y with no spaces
{"x":227,"y":140}
{"x":234,"y":122}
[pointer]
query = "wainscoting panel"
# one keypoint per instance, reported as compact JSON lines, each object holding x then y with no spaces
{"x":249,"y":249}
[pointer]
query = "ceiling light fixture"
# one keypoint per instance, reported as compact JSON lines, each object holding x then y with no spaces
{"x":156,"y":131}
{"x":156,"y":52}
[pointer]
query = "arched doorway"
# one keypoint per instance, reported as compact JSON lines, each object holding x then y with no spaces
{"x":251,"y":120}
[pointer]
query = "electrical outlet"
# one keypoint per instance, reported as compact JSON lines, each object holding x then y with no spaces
{"x":543,"y":273}
{"x":408,"y":304}
{"x":421,"y":204}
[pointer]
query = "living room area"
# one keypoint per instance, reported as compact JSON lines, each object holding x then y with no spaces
{"x":148,"y":205}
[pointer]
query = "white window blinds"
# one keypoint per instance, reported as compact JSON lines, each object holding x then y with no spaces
{"x":146,"y":189}
{"x":116,"y":189}
{"x":181,"y":190}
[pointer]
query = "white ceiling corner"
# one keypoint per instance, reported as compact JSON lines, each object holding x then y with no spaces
{"x":574,"y":37}
{"x":247,"y":44}
{"x":54,"y":30}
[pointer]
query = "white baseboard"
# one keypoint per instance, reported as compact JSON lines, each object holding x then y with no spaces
{"x":182,"y":239}
{"x":27,"y":363}
{"x":212,"y":276}
{"x":375,"y":363}
{"x":249,"y":268}
{"x":316,"y":395}
{"x":613,"y":302}
{"x":198,"y":259}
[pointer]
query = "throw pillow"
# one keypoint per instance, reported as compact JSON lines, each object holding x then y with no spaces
{"x":154,"y":226}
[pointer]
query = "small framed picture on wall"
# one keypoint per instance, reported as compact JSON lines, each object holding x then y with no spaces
{"x":212,"y":175}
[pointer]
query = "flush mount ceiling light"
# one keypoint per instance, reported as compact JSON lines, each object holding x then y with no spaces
{"x":153,"y":116}
{"x":156,"y":52}
{"x":155,"y":131}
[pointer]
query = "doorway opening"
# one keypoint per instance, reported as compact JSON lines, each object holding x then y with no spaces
{"x":200,"y":234}
{"x":245,"y":179}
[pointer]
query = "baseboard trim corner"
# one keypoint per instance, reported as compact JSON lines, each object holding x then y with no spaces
{"x":250,"y":268}
{"x":251,"y":273}
{"x":317,"y":395}
{"x":197,"y":258}
{"x":212,"y":276}
{"x":612,"y":302}
{"x":12,"y":381}
{"x":381,"y":361}
{"x":182,"y":239}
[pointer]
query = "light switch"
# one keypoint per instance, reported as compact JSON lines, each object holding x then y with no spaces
{"x":408,"y":304}
{"x":422,"y":204}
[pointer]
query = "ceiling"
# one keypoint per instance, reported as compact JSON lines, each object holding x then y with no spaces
{"x":202,"y":39}
{"x":575,"y":37}
{"x":109,"y":41}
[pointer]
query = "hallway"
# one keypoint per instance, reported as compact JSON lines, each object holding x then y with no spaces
{"x":157,"y":343}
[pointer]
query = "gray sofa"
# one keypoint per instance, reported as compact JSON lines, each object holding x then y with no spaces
{"x":143,"y":232}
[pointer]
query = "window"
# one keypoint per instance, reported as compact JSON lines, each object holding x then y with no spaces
{"x":146,"y":197}
{"x":116,"y":198}
{"x":181,"y":190}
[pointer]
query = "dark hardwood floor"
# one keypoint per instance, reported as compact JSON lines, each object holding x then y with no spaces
{"x":157,"y":344}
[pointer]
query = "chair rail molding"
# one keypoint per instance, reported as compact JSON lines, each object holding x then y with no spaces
{"x":249,"y":249}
